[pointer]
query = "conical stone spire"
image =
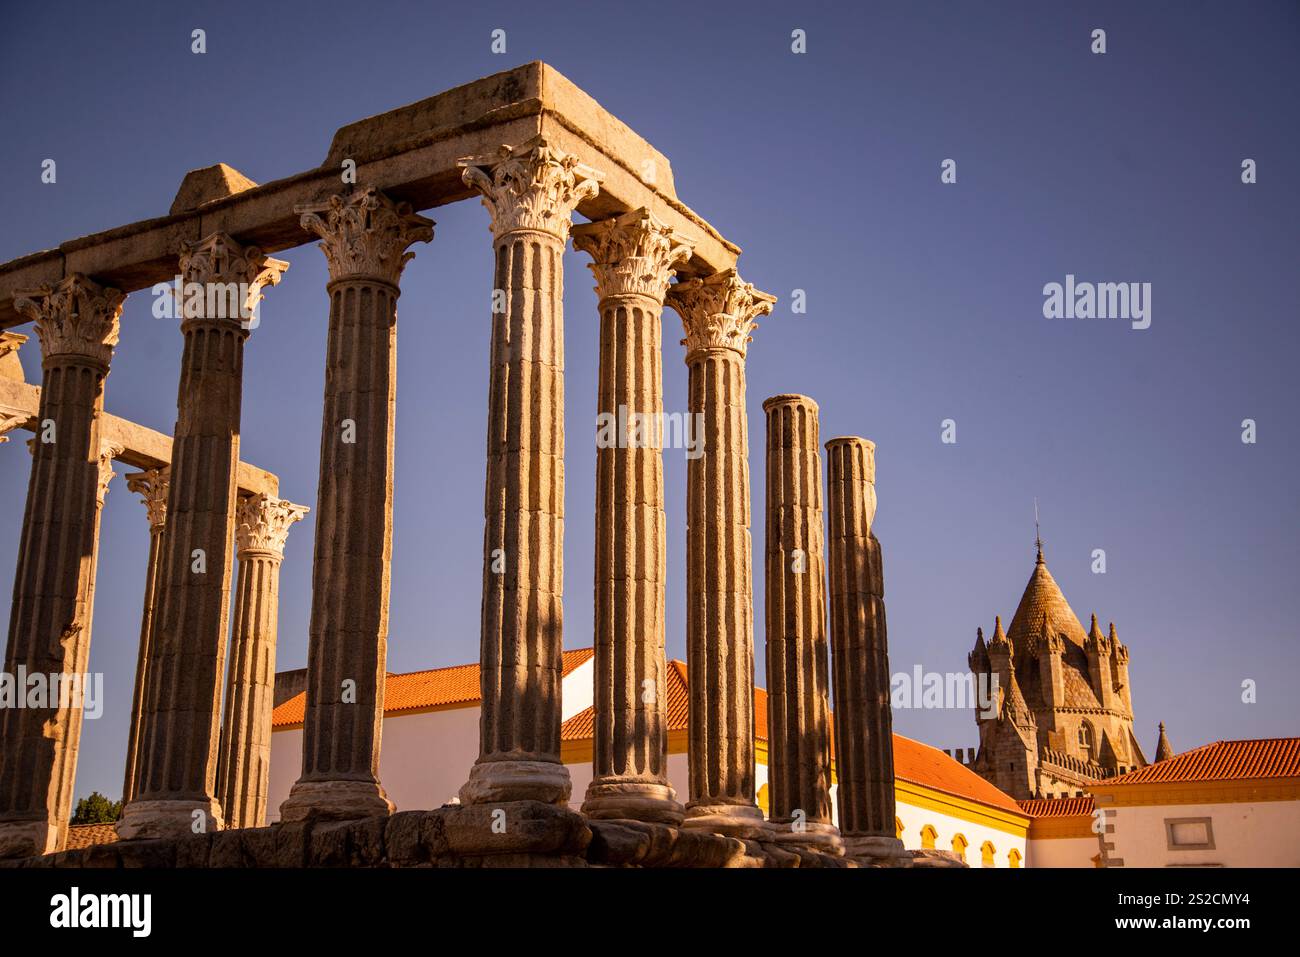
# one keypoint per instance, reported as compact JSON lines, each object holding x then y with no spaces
{"x":1164,"y":750}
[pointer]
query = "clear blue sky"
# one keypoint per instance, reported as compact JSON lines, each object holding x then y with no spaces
{"x":924,"y":299}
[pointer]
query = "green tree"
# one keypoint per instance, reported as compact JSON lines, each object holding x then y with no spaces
{"x":96,"y":809}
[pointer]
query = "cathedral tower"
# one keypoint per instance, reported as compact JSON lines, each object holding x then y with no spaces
{"x":1065,"y":710}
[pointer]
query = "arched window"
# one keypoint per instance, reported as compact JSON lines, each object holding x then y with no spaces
{"x":898,"y":828}
{"x":959,"y":845}
{"x":987,"y":850}
{"x":1013,"y":858}
{"x":1085,"y":738}
{"x":928,"y":836}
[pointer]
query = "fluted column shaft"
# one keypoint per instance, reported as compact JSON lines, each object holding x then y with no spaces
{"x":633,"y":255}
{"x":151,"y":485}
{"x":244,"y":767}
{"x":718,"y":315}
{"x":180,"y":724}
{"x":365,"y":238}
{"x":798,"y":683}
{"x":50,"y":616}
{"x":864,"y":743}
{"x":530,"y":192}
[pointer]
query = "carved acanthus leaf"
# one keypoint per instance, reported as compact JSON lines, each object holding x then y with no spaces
{"x":534,"y":186}
{"x":76,"y":316}
{"x":262,"y":523}
{"x":366,"y":234}
{"x":632,"y":254}
{"x":151,"y":485}
{"x":718,"y":311}
{"x":107,"y":453}
{"x":219,"y":260}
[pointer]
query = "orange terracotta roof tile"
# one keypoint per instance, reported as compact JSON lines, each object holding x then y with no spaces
{"x":1057,"y":807}
{"x":921,"y":764}
{"x":86,"y":835}
{"x":417,"y":690}
{"x":1222,"y":761}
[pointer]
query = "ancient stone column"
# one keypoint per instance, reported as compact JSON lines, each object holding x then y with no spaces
{"x":798,"y":683}
{"x":530,"y":191}
{"x":180,"y":723}
{"x":151,"y":486}
{"x":262,"y":525}
{"x":864,"y":743}
{"x":49,"y":619}
{"x":718,"y":315}
{"x":633,"y":256}
{"x":365,"y":238}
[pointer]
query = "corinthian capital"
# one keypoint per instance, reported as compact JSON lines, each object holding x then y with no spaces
{"x":10,"y":419}
{"x":74,"y":317}
{"x":632,"y":254}
{"x":262,"y":523}
{"x":366,"y":234}
{"x":231,"y":276}
{"x":151,"y":485}
{"x":718,"y":312}
{"x":107,"y":453}
{"x":10,"y":342}
{"x":534,"y":186}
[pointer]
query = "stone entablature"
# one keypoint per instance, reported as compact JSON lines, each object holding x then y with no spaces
{"x":412,"y":152}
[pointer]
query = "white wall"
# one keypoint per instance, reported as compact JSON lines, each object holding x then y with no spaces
{"x":1261,"y":834}
{"x":948,"y":826}
{"x":1063,"y":852}
{"x":423,"y":759}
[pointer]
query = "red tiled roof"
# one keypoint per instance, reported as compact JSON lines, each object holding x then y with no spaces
{"x":914,"y":762}
{"x":85,"y":835}
{"x":1057,"y":807}
{"x":421,"y":689}
{"x":1222,"y":761}
{"x":921,"y":764}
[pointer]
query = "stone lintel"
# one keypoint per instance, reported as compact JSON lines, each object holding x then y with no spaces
{"x":142,"y":447}
{"x":411,"y":154}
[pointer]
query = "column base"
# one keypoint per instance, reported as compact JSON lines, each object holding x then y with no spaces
{"x":616,"y":798}
{"x":880,"y":851}
{"x":492,"y":782}
{"x":731,"y":820}
{"x":822,"y":837}
{"x":335,"y":800}
{"x":168,"y":818}
{"x":29,"y":838}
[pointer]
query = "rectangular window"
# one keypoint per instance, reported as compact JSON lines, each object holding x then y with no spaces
{"x":1189,"y":833}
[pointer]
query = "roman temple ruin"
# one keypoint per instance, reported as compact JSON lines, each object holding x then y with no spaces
{"x":535,"y":150}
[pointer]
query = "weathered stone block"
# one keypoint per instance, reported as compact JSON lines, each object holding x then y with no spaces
{"x":291,"y":842}
{"x":402,"y":838}
{"x":329,"y":844}
{"x":515,"y":827}
{"x":227,"y":850}
{"x":367,"y":842}
{"x":157,"y":853}
{"x":614,"y":845}
{"x":259,"y":845}
{"x":194,"y":851}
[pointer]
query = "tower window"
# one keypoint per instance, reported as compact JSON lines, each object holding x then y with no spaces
{"x":1085,"y":737}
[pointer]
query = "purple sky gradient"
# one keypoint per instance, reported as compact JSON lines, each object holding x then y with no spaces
{"x":924,"y":300}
